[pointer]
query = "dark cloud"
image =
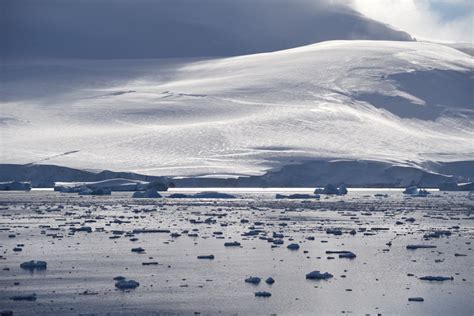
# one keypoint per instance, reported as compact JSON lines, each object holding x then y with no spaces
{"x":175,"y":28}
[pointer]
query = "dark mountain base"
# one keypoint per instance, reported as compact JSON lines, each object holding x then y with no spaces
{"x":44,"y":176}
{"x":354,"y":173}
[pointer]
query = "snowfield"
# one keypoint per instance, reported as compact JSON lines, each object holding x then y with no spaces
{"x":401,"y":102}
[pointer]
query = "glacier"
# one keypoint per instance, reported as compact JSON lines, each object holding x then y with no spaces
{"x":403,"y":103}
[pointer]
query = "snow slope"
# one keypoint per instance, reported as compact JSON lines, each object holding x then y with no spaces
{"x":406,"y":103}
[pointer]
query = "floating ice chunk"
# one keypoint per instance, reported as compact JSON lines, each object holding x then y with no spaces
{"x":297,"y":196}
{"x":293,"y":246}
{"x":210,"y":257}
{"x":126,"y":285}
{"x":253,"y":280}
{"x":415,"y":299}
{"x":342,"y":253}
{"x":414,"y":191}
{"x":348,"y":255}
{"x":436,"y":278}
{"x":270,"y":280}
{"x":203,"y":195}
{"x":342,"y":189}
{"x":86,"y":229}
{"x":232,"y":244}
{"x":414,"y":247}
{"x":423,"y":192}
{"x":411,"y":190}
{"x":437,"y":234}
{"x":34,"y":265}
{"x":316,"y":275}
{"x":150,"y":231}
{"x":151,"y":263}
{"x":138,"y":250}
{"x":334,"y":231}
{"x":278,"y":242}
{"x":29,"y":297}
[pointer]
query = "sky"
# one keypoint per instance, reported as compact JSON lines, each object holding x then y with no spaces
{"x":176,"y":28}
{"x":191,"y":28}
{"x":437,"y":20}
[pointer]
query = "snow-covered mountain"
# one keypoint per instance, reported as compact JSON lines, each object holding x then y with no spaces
{"x":406,"y":103}
{"x":177,"y":28}
{"x":85,"y":84}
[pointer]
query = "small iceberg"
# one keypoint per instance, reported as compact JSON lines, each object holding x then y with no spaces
{"x":269,"y":281}
{"x":15,"y":186}
{"x":331,"y":189}
{"x":232,"y":244}
{"x":416,"y":299}
{"x":278,"y":242}
{"x":293,"y":246}
{"x":297,"y":196}
{"x":34,"y":265}
{"x":342,"y":253}
{"x":138,"y":250}
{"x":413,"y":190}
{"x":334,"y":231}
{"x":436,"y":278}
{"x":348,"y":255}
{"x":209,"y":257}
{"x":437,"y":234}
{"x":316,"y":275}
{"x":263,"y":294}
{"x":149,"y":194}
{"x":126,"y":284}
{"x":253,"y":280}
{"x":414,"y":247}
{"x":202,"y":195}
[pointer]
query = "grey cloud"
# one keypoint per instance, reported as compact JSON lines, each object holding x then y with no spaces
{"x":176,"y":28}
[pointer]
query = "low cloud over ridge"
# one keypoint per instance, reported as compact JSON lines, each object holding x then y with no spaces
{"x":177,"y":28}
